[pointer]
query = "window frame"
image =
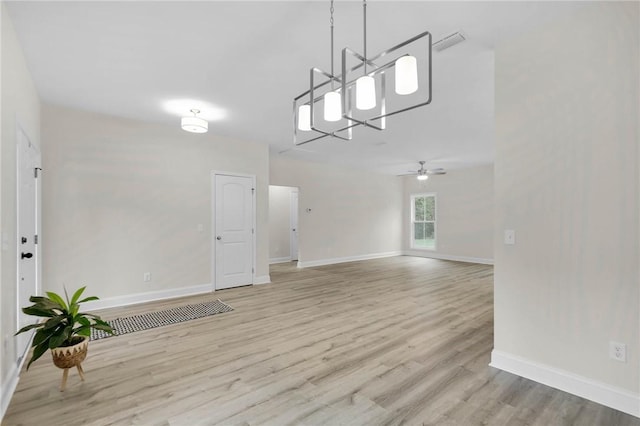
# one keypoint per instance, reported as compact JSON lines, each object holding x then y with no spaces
{"x":413,"y":222}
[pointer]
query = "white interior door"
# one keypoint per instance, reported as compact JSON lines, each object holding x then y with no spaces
{"x":28,"y":163}
{"x":233,"y":230}
{"x":293,"y":218}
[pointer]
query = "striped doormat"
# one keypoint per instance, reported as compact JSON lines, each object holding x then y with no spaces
{"x":134,"y":323}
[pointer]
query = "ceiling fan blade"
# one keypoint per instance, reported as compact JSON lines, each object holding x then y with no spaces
{"x":438,"y":171}
{"x":408,"y":174}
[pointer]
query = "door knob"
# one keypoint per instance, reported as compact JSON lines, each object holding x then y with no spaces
{"x":294,"y":229}
{"x":218,"y":238}
{"x":26,"y":255}
{"x":23,"y":240}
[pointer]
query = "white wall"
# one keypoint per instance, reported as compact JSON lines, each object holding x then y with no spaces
{"x":353,"y":214}
{"x":464,"y":208}
{"x":122,"y":197}
{"x":280,"y":222}
{"x":20,"y":107}
{"x":566,"y":180}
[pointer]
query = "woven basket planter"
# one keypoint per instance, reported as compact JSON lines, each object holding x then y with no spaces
{"x":70,"y":356}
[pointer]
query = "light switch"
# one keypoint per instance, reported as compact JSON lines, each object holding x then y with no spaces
{"x":509,"y":236}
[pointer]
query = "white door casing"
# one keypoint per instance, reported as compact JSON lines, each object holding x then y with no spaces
{"x":233,"y":230}
{"x":28,"y":223}
{"x":293,"y":219}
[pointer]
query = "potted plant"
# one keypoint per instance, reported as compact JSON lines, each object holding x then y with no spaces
{"x":65,"y":331}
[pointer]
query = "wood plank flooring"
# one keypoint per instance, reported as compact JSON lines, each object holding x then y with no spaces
{"x":392,"y":341}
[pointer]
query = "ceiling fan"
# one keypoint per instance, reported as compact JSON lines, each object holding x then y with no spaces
{"x":423,"y":174}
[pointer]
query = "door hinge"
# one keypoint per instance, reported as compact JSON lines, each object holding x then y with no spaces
{"x":252,"y":270}
{"x":253,"y":231}
{"x":35,"y":172}
{"x":35,"y":239}
{"x":253,"y":190}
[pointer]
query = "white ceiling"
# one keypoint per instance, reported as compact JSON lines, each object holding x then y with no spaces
{"x":249,"y":59}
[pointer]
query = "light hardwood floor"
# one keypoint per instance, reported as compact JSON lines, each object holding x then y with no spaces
{"x":391,"y":341}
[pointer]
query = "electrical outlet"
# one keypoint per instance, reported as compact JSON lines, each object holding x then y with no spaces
{"x":618,"y":351}
{"x":147,"y":276}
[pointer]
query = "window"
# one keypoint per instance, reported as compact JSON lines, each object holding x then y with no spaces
{"x":423,"y":221}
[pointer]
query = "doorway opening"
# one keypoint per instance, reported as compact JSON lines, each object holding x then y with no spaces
{"x":283,"y":224}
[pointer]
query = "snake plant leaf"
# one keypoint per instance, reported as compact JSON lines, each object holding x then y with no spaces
{"x":66,"y":295}
{"x":29,"y":327}
{"x":83,"y":331}
{"x":52,"y":323}
{"x":44,"y":302}
{"x":60,"y":336}
{"x":57,"y":299}
{"x":73,"y":309}
{"x":77,"y":295}
{"x":37,"y":312}
{"x":37,"y":352}
{"x":41,"y":337}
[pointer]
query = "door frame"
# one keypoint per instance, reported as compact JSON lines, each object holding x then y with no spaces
{"x":294,"y":209}
{"x":212,"y":240}
{"x":21,"y":135}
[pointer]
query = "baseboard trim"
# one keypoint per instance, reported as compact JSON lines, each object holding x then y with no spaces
{"x":8,"y":388}
{"x":279,"y":260}
{"x":332,"y":261}
{"x":432,"y":255}
{"x":566,"y":381}
{"x":261,"y":279}
{"x":132,"y":299}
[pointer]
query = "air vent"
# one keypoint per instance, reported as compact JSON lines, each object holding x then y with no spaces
{"x":448,"y":41}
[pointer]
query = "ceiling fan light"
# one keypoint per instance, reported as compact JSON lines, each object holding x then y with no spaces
{"x":332,"y":106}
{"x":406,"y":75}
{"x":304,"y":118}
{"x":194,"y":125}
{"x":423,"y":177}
{"x":365,"y":93}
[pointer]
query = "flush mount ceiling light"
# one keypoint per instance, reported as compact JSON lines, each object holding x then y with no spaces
{"x":363,"y":89}
{"x":195,"y":124}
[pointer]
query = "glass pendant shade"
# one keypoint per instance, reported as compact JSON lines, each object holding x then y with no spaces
{"x":332,"y":106}
{"x":423,"y":177}
{"x":406,"y":75}
{"x":365,"y":93}
{"x":194,"y":125}
{"x":304,"y":118}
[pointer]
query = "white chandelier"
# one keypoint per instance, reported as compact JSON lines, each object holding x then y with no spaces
{"x":363,"y":93}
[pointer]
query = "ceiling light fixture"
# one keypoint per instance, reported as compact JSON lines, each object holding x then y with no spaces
{"x":325,"y":94}
{"x":363,"y":86}
{"x":401,"y":61}
{"x":195,"y":124}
